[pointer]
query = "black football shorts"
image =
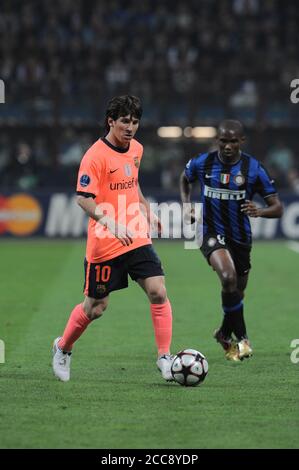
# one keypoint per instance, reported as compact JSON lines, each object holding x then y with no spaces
{"x":107,"y":276}
{"x":240,"y":252}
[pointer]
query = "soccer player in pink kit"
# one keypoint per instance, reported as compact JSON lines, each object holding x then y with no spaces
{"x":108,"y":174}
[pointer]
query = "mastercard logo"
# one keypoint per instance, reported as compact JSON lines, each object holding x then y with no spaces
{"x":20,"y":214}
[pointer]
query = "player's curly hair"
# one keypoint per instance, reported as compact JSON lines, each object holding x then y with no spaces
{"x":122,"y":106}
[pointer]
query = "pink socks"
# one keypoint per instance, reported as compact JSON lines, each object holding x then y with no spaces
{"x":162,"y":322}
{"x":76,"y":325}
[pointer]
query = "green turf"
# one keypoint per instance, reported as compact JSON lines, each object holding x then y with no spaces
{"x":116,"y":398}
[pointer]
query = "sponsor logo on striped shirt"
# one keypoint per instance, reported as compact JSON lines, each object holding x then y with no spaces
{"x":224,"y":194}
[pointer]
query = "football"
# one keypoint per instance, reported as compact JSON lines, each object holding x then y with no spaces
{"x":189,"y":368}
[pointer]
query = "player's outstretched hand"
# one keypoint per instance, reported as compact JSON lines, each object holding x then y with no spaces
{"x":250,"y":209}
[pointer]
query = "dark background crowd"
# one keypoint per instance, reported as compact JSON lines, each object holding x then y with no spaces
{"x":191,"y":62}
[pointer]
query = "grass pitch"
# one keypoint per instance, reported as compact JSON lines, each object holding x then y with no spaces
{"x":116,"y":397}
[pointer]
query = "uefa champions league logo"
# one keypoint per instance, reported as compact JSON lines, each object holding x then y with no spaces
{"x":2,"y":92}
{"x":2,"y":352}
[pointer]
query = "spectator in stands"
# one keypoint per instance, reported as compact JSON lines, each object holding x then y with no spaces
{"x":61,"y":63}
{"x":21,"y":171}
{"x":280,"y":161}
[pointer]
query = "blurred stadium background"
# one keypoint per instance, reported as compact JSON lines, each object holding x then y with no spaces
{"x":192,"y":63}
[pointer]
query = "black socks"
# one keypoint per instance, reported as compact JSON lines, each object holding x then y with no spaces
{"x":233,"y":321}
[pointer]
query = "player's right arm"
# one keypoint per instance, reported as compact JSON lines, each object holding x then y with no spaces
{"x":92,"y":210}
{"x":186,"y":179}
{"x":185,"y":188}
{"x":89,"y":206}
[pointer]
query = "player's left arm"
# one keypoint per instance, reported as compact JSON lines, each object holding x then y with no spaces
{"x":264,"y":185}
{"x":274,"y":208}
{"x":151,"y":217}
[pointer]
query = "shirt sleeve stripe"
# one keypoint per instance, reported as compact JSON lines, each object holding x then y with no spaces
{"x":82,"y":193}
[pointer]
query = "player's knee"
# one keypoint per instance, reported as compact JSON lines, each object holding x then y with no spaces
{"x":229,"y":280}
{"x":96,"y":310}
{"x":158,"y":295}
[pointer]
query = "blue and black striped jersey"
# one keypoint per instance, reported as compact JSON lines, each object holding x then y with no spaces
{"x":224,"y":188}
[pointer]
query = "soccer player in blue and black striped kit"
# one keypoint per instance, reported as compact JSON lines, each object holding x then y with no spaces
{"x":228,"y":179}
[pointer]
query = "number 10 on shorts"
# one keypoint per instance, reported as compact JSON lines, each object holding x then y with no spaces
{"x":103,"y":273}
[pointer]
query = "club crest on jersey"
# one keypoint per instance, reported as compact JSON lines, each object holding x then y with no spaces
{"x":224,"y":178}
{"x":84,"y":181}
{"x":128,"y":169}
{"x":239,"y":179}
{"x":136,"y":162}
{"x":101,"y":289}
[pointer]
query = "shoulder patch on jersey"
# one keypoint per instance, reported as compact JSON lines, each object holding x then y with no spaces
{"x":84,"y":181}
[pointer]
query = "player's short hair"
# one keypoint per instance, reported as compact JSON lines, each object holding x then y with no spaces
{"x":122,"y":106}
{"x":231,"y":125}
